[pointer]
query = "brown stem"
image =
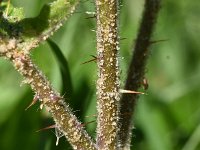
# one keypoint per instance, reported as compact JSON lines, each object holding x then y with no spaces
{"x":108,"y":74}
{"x":137,"y":70}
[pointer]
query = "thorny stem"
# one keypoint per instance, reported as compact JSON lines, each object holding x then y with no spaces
{"x":108,"y":74}
{"x":54,"y":103}
{"x":136,"y":70}
{"x":15,"y":44}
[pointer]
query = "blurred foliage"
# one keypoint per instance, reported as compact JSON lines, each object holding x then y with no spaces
{"x":168,"y":118}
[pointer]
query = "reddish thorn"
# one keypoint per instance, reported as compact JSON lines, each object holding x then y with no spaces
{"x":46,"y":128}
{"x":122,"y":39}
{"x":94,"y":59}
{"x":35,"y":99}
{"x":84,"y":124}
{"x":89,"y":61}
{"x":157,"y":41}
{"x":93,"y":56}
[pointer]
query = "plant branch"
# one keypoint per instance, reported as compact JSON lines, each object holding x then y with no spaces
{"x":108,"y":74}
{"x":54,"y":103}
{"x":136,"y":70}
{"x":17,"y":37}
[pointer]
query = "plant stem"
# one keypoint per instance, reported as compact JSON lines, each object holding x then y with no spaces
{"x":108,"y":74}
{"x":65,"y":121}
{"x":136,"y":71}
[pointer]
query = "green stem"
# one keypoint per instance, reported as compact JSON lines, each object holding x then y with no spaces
{"x":136,"y":70}
{"x":108,"y":74}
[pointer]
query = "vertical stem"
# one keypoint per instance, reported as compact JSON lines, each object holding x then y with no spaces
{"x":108,"y":74}
{"x":137,"y":70}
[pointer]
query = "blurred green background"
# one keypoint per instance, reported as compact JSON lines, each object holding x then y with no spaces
{"x":168,"y":118}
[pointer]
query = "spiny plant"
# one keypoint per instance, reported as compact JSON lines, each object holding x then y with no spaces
{"x":115,"y":105}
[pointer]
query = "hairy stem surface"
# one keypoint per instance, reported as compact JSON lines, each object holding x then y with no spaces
{"x":54,"y":103}
{"x":17,"y":36}
{"x":136,"y":71}
{"x":108,"y":74}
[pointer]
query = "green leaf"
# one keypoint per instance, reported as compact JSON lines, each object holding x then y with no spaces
{"x":34,"y":30}
{"x":64,"y":68}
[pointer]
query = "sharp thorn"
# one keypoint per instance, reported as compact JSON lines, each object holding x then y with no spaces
{"x":157,"y":41}
{"x":46,"y":128}
{"x":84,"y":124}
{"x":122,"y":39}
{"x":91,"y":60}
{"x":130,"y":92}
{"x":35,"y":99}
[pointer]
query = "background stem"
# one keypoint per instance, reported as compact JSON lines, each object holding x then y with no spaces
{"x":136,"y":71}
